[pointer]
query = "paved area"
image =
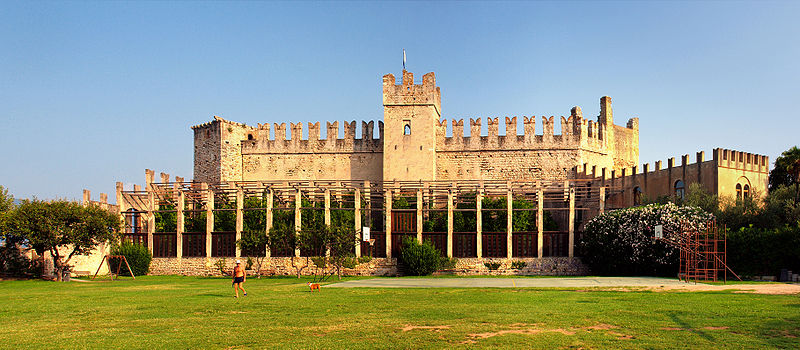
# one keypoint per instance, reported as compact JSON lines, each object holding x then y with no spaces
{"x":546,"y":282}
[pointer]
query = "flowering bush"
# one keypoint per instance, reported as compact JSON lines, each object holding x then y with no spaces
{"x":621,"y":242}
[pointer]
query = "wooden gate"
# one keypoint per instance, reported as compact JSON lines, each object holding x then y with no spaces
{"x":404,"y":223}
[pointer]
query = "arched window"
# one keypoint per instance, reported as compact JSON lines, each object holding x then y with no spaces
{"x":738,"y":191}
{"x":680,"y":190}
{"x":637,"y":195}
{"x":746,"y":191}
{"x":407,"y":130}
{"x":249,"y":136}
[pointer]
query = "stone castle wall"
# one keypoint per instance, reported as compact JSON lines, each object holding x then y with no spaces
{"x":229,"y":151}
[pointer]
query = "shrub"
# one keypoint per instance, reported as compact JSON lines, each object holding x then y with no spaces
{"x":492,"y":265}
{"x":420,"y":259}
{"x":14,"y":263}
{"x":759,"y":251}
{"x":364,"y":259}
{"x":518,"y":264}
{"x":349,"y":262}
{"x":446,"y":263}
{"x":138,"y":257}
{"x":621,"y":242}
{"x":222,"y":266}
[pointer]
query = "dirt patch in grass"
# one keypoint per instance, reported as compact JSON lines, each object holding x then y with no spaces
{"x":774,"y":289}
{"x":709,"y":328}
{"x":473,"y":338}
{"x":520,"y":331}
{"x":601,"y":327}
{"x":409,"y":327}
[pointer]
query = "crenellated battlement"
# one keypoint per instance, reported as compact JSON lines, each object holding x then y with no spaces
{"x":576,"y":132}
{"x":741,"y":160}
{"x":296,"y":143}
{"x":218,"y":119}
{"x":742,"y":163}
{"x":409,"y":94}
{"x":413,"y":143}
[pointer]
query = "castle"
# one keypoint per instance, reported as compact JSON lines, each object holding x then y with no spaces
{"x":413,"y":146}
{"x":523,"y":195}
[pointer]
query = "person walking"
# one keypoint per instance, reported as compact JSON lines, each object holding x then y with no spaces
{"x":239,"y":278}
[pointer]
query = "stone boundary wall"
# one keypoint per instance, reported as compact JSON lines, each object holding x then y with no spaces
{"x":283,"y":266}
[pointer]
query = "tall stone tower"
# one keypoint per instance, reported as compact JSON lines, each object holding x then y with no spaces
{"x":410,"y":115}
{"x":218,"y":150}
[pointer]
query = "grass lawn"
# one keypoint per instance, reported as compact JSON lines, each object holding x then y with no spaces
{"x":188,"y":312}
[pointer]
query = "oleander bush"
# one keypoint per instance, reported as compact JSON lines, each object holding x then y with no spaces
{"x":621,"y":242}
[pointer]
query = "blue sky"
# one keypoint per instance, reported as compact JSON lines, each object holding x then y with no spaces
{"x":95,"y":92}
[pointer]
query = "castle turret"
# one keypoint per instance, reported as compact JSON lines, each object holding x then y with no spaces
{"x":217,"y":150}
{"x":410,"y":115}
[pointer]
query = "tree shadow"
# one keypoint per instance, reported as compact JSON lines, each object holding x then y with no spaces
{"x":685,"y":325}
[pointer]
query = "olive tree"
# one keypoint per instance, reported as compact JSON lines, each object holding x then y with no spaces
{"x":63,"y":228}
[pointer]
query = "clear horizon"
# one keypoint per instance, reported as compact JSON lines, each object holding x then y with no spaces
{"x":95,"y":92}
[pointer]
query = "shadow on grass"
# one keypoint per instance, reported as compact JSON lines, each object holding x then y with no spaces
{"x":783,"y":332}
{"x":685,"y":325}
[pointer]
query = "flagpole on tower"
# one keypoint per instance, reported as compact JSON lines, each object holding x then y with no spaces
{"x":404,"y":59}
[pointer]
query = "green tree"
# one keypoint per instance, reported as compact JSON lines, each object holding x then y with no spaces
{"x":63,"y":228}
{"x":12,"y":261}
{"x":328,"y":245}
{"x":697,"y":196}
{"x":787,"y":169}
{"x":6,"y":200}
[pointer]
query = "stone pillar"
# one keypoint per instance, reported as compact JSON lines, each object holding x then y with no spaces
{"x":239,"y":218}
{"x":357,"y":219}
{"x":419,"y":215}
{"x":388,"y":221}
{"x":540,"y":223}
{"x":602,"y":200}
{"x":509,"y":223}
{"x":327,"y":219}
{"x":479,"y":223}
{"x":327,"y":204}
{"x":368,"y":203}
{"x":121,"y":205}
{"x":450,"y":223}
{"x":270,"y":199}
{"x":571,"y":222}
{"x":298,"y":223}
{"x":179,"y":219}
{"x":151,"y":216}
{"x":209,"y":216}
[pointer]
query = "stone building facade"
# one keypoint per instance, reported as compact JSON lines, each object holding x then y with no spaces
{"x":413,"y":145}
{"x":589,"y":167}
{"x":729,"y":173}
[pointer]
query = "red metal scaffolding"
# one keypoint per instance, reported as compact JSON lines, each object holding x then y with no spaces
{"x":703,"y":253}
